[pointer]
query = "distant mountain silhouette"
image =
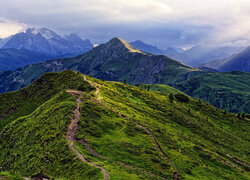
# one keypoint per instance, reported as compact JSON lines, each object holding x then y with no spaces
{"x":15,"y":58}
{"x":237,"y":62}
{"x":46,"y":41}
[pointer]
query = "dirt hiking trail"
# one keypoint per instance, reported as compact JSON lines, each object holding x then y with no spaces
{"x":72,"y":129}
{"x":176,"y":175}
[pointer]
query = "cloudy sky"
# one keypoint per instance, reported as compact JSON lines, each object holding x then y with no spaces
{"x":160,"y":22}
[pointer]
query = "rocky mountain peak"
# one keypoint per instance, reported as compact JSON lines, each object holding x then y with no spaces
{"x":46,"y":41}
{"x":119,"y":44}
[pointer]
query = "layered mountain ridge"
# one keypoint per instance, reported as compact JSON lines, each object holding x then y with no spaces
{"x":117,"y":60}
{"x":237,"y":62}
{"x":193,"y":56}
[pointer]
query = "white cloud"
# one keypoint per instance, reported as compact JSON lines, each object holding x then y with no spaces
{"x":8,"y":28}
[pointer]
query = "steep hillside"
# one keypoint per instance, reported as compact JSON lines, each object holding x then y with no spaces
{"x":33,"y":124}
{"x":93,"y":129}
{"x":238,"y":62}
{"x":23,"y":102}
{"x":11,"y":59}
{"x":230,"y":91}
{"x":116,"y":60}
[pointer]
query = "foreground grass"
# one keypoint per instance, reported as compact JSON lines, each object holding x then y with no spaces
{"x":9,"y":176}
{"x":33,"y":141}
{"x":36,"y":143}
{"x":202,"y":141}
{"x":196,"y":136}
{"x":23,"y":102}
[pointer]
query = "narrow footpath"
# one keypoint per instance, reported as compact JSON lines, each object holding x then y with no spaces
{"x":176,"y":175}
{"x":72,"y":129}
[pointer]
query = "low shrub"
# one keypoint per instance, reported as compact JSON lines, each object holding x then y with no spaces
{"x":182,"y":97}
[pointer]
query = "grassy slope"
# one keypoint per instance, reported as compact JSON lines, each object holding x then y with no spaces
{"x":230,"y":91}
{"x":160,"y":88}
{"x":36,"y":143}
{"x":119,"y":140}
{"x":197,"y":140}
{"x":10,"y":176}
{"x":196,"y":136}
{"x":33,"y":141}
{"x":23,"y":102}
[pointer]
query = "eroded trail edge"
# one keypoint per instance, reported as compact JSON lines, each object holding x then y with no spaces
{"x":72,"y":129}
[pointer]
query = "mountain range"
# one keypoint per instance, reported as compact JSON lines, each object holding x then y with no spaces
{"x":117,"y":60}
{"x":203,"y":53}
{"x":39,"y":41}
{"x":48,"y":42}
{"x":51,"y":45}
{"x":71,"y":126}
{"x":193,"y":56}
{"x":172,"y":52}
{"x":237,"y":62}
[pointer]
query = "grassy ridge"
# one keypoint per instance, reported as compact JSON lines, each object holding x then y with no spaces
{"x":36,"y":143}
{"x":21,"y":103}
{"x":116,"y":60}
{"x":202,"y":141}
{"x":119,"y":140}
{"x":33,"y":124}
{"x":196,"y":136}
